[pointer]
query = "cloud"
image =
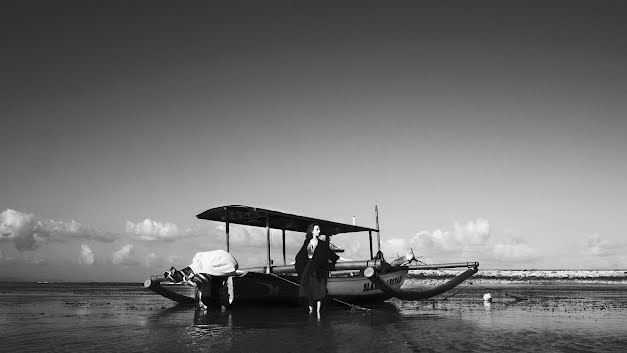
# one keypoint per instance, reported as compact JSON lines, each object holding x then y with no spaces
{"x":175,"y":260}
{"x":597,"y":246}
{"x":151,"y":260}
{"x":472,"y":233}
{"x":150,"y":230}
{"x":4,"y":257}
{"x":35,"y":260}
{"x":514,"y":251}
{"x":87,"y":256}
{"x":29,"y":232}
{"x":23,"y":229}
{"x":125,"y":256}
{"x":392,"y":247}
{"x":246,"y":236}
{"x":475,"y":232}
{"x":350,"y":244}
{"x":471,"y":240}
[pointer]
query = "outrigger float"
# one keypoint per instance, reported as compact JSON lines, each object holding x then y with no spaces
{"x":371,"y":280}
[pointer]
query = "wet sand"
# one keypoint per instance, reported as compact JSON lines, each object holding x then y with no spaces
{"x":553,"y":317}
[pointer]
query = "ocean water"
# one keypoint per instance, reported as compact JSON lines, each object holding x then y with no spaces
{"x":536,"y":316}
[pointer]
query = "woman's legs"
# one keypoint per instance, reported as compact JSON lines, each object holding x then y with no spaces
{"x":319,"y":305}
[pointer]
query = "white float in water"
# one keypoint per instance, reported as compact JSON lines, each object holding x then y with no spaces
{"x":487,"y":298}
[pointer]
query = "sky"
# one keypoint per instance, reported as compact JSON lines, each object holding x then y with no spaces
{"x":489,"y":131}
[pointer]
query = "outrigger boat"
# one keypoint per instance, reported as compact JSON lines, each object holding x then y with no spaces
{"x":368,"y":280}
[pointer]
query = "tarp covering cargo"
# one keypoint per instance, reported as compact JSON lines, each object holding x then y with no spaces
{"x":215,"y":263}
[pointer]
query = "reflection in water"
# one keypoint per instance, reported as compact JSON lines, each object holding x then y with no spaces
{"x":213,"y":321}
{"x":291,"y":329}
{"x":214,"y":329}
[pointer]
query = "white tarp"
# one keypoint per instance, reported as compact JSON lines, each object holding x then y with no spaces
{"x":215,"y":263}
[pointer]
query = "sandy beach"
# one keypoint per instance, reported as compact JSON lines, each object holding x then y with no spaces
{"x":104,"y":317}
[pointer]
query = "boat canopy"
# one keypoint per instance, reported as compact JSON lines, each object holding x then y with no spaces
{"x":259,"y":217}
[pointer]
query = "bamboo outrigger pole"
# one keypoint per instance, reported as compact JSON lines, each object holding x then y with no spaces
{"x":403,"y":294}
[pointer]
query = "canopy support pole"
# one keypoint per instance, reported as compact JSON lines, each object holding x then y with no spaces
{"x":284,"y":261}
{"x":269,"y":264}
{"x":227,"y":237}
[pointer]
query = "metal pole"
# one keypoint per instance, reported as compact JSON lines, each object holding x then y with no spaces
{"x":370,"y":237}
{"x":284,"y":261}
{"x":227,"y":237}
{"x":268,"y":268}
{"x":376,"y":211}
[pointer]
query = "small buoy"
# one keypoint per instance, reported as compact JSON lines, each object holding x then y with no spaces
{"x":487,"y":297}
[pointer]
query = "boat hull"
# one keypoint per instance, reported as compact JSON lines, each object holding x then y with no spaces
{"x":360,"y":288}
{"x":256,"y":288}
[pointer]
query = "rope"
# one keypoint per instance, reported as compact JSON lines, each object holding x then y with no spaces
{"x":352,"y":306}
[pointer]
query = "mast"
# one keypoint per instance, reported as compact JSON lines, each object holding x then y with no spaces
{"x":268,"y":270}
{"x":376,"y":211}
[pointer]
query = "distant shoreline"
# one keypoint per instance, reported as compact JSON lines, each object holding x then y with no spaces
{"x":483,"y":274}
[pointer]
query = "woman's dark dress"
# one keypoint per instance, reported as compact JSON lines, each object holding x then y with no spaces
{"x":314,"y":272}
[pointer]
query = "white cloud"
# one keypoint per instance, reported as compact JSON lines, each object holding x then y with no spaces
{"x":28,"y":231}
{"x":87,"y":256}
{"x":469,"y":241}
{"x":515,"y":251}
{"x":175,"y":260}
{"x":245,"y":236}
{"x":4,"y":257}
{"x":475,"y":232}
{"x":350,"y":244}
{"x":23,"y":229}
{"x":151,"y":230}
{"x":597,"y":246}
{"x":461,"y":236}
{"x":124,"y":256}
{"x":392,"y":247}
{"x":151,"y":260}
{"x":35,"y":260}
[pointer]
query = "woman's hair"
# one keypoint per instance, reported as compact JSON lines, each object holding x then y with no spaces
{"x":310,"y":229}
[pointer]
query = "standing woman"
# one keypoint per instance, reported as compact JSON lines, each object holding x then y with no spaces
{"x":313,"y":262}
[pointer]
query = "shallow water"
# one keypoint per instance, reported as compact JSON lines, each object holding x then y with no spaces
{"x":558,"y":317}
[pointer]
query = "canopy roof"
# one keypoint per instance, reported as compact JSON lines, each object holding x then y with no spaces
{"x":256,"y":217}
